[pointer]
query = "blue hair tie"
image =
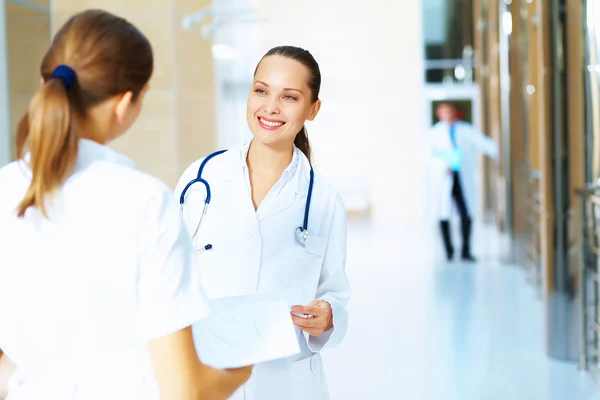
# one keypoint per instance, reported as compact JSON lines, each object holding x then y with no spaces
{"x":65,"y":74}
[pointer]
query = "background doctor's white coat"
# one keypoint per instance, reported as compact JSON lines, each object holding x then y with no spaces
{"x":472,"y":143}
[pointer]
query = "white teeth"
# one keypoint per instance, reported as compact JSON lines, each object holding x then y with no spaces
{"x":269,"y":123}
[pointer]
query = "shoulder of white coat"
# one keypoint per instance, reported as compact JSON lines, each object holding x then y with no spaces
{"x":12,"y":171}
{"x":14,"y":180}
{"x":191,"y":171}
{"x":136,"y":184}
{"x":120,"y":185}
{"x":464,"y":124}
{"x":222,"y":165}
{"x":439,"y":126}
{"x":214,"y":168}
{"x":468,"y":127}
{"x":329,"y":194}
{"x":323,"y":189}
{"x":137,"y":198}
{"x":327,"y":208}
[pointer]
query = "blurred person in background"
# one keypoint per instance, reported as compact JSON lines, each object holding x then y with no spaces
{"x":454,"y":148}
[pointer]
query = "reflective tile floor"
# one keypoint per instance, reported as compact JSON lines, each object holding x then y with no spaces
{"x":421,"y":328}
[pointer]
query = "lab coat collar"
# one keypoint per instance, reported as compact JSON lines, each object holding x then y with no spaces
{"x":90,"y":151}
{"x":298,"y":165}
{"x":287,"y":173}
{"x":295,"y":187}
{"x":302,"y":177}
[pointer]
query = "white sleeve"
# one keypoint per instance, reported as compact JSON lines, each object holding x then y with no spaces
{"x":485,"y":144}
{"x":170,"y":295}
{"x":334,"y":286}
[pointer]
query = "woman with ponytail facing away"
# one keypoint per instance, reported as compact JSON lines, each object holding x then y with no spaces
{"x":98,"y":281}
{"x":273,"y":224}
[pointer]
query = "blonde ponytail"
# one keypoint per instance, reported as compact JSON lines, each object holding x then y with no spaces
{"x":52,"y":144}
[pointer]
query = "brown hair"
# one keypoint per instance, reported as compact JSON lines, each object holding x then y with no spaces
{"x":314,"y":84}
{"x":109,"y":56}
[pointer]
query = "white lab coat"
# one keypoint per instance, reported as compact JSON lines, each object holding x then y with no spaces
{"x":83,"y":292}
{"x":257,"y":252}
{"x":472,"y":143}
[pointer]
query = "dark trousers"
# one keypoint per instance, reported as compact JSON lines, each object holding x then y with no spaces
{"x":465,"y":221}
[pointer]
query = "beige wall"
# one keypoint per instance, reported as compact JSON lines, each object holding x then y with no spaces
{"x":177,"y":124}
{"x":28,"y":37}
{"x":371,"y":121}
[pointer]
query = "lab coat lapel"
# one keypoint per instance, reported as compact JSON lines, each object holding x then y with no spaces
{"x":443,"y":136}
{"x":294,"y":191}
{"x":285,"y":199}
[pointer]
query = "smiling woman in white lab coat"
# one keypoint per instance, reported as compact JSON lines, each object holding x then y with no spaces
{"x":98,"y":281}
{"x":249,"y":241}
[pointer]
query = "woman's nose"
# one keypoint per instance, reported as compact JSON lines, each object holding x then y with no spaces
{"x":271,"y":106}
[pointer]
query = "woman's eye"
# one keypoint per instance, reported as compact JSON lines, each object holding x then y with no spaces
{"x":260,"y":91}
{"x":289,"y":97}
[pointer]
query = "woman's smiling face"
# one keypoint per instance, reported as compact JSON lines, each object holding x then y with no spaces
{"x":280,"y":101}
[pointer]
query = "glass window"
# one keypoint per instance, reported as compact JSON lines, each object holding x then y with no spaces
{"x":448,"y":40}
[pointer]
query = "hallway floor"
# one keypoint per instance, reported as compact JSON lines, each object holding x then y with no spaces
{"x":423,"y":329}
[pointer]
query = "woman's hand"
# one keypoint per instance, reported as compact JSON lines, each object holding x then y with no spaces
{"x":321,"y":320}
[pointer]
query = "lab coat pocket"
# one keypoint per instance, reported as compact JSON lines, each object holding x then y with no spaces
{"x":214,"y":264}
{"x":216,"y":280}
{"x":316,"y":245}
{"x":308,"y":379}
{"x":303,"y":263}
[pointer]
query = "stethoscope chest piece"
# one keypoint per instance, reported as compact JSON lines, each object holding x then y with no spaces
{"x":301,"y":235}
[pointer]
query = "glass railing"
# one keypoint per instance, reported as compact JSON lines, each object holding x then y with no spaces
{"x":589,"y":277}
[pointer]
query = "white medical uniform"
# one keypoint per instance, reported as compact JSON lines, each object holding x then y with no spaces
{"x":257,"y":252}
{"x":472,"y":143}
{"x":83,"y":292}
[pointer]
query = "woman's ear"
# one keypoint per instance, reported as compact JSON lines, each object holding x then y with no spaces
{"x":123,"y":105}
{"x":314,"y":110}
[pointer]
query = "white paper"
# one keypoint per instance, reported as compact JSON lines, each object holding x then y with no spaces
{"x":249,"y":334}
{"x":292,"y":296}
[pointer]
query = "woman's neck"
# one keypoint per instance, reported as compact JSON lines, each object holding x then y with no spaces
{"x":264,"y":158}
{"x":265,"y":166}
{"x":87,"y":129}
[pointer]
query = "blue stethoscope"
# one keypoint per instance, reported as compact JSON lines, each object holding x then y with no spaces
{"x":301,"y":231}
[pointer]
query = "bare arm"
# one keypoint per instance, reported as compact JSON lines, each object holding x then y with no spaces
{"x":7,"y":368}
{"x":181,"y":375}
{"x":171,"y":300}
